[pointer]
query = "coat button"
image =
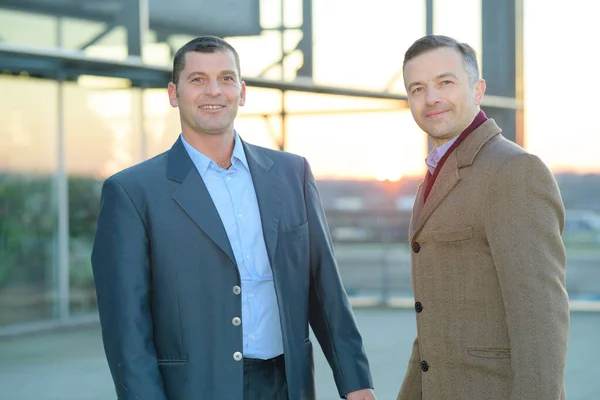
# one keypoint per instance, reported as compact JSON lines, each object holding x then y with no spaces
{"x":237,"y":289}
{"x":416,"y":247}
{"x":424,"y":366}
{"x":236,"y":321}
{"x":237,"y":356}
{"x":418,"y":307}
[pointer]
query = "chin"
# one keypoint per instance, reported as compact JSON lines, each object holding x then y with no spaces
{"x":215,"y":132}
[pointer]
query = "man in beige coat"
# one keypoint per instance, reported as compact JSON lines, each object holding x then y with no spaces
{"x":488,"y":261}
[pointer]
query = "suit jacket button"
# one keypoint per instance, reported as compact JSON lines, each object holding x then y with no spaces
{"x":236,"y":321}
{"x":237,"y":356}
{"x":418,"y":307}
{"x":237,"y":289}
{"x":416,"y":247}
{"x":424,"y":366}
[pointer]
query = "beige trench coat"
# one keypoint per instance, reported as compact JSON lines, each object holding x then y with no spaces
{"x":488,"y":273}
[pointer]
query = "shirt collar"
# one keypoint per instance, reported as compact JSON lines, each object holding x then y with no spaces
{"x":203,"y":163}
{"x":436,"y":154}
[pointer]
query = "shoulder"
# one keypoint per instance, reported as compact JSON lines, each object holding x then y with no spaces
{"x":502,"y":156}
{"x":142,"y":173}
{"x":277,"y":155}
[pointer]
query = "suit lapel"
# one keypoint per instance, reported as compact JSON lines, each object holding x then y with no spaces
{"x":193,"y":197}
{"x":269,"y":190}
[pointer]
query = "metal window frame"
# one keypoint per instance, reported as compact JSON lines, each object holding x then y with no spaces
{"x":502,"y":31}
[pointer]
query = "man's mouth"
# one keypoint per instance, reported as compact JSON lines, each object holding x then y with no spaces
{"x":435,"y":114}
{"x":211,"y":107}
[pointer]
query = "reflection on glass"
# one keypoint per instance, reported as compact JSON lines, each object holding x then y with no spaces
{"x":101,"y":138}
{"x":28,"y":212}
{"x":369,"y":145}
{"x":367,"y":58}
{"x":161,"y":121}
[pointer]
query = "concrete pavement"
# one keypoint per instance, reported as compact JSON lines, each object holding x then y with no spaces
{"x":70,"y":364}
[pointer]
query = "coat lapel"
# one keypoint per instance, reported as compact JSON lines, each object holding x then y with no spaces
{"x":449,"y":176}
{"x":193,"y":197}
{"x":446,"y":180}
{"x":417,"y":207}
{"x":269,"y":191}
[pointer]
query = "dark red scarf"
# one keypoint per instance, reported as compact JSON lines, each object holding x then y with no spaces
{"x":430,"y":179}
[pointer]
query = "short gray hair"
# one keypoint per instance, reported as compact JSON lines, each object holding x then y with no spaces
{"x":432,"y":42}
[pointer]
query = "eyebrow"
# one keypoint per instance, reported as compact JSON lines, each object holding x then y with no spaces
{"x":440,"y":76}
{"x":225,"y":72}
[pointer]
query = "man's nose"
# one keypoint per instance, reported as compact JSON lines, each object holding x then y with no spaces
{"x":213,"y":88}
{"x":433,"y":96}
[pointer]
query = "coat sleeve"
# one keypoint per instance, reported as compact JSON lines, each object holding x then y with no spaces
{"x":330,"y":314}
{"x":411,"y":386}
{"x":524,"y":222}
{"x":120,"y":262}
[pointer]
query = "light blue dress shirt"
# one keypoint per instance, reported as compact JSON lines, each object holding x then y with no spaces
{"x":433,"y":158}
{"x":233,"y":194}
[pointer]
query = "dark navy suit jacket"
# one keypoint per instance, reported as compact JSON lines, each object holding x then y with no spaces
{"x":165,"y":276}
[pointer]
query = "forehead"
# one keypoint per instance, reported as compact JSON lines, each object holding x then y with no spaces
{"x":218,"y":61}
{"x":433,"y":63}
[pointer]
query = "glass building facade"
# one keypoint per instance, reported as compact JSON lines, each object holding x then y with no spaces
{"x":64,"y":131}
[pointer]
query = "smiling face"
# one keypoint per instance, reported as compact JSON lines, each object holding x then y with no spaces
{"x":442,"y":99}
{"x":208,"y":93}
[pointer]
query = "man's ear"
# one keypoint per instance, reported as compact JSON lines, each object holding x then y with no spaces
{"x":479,"y":91}
{"x":172,"y":89}
{"x":243,"y":94}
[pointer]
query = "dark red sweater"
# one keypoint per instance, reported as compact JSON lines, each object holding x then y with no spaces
{"x":430,"y":179}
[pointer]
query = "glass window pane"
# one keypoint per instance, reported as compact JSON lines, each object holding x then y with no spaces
{"x":558,"y":128}
{"x":18,"y":27}
{"x":102,"y":137}
{"x":161,"y":122}
{"x":386,"y":145}
{"x":28,"y":209}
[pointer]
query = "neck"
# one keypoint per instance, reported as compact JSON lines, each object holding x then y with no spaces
{"x":218,"y":148}
{"x":435,"y":142}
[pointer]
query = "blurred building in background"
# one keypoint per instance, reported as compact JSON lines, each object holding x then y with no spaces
{"x":83,"y":88}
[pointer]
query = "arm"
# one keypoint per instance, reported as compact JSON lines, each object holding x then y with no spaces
{"x":122,"y":275}
{"x":411,"y":386}
{"x":524,"y":222}
{"x":331,"y":316}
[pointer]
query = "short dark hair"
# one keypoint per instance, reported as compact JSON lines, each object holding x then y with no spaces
{"x":202,"y":44}
{"x":432,"y":42}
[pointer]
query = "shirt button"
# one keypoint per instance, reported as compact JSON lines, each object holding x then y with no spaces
{"x":424,"y":366}
{"x":237,"y":356}
{"x":237,"y":289}
{"x":236,"y":321}
{"x":416,"y":247}
{"x":240,"y":215}
{"x":228,"y":178}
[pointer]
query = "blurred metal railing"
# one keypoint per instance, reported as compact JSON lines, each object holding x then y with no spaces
{"x":374,"y":259}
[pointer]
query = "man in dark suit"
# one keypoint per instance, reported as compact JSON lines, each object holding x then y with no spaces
{"x":211,"y":259}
